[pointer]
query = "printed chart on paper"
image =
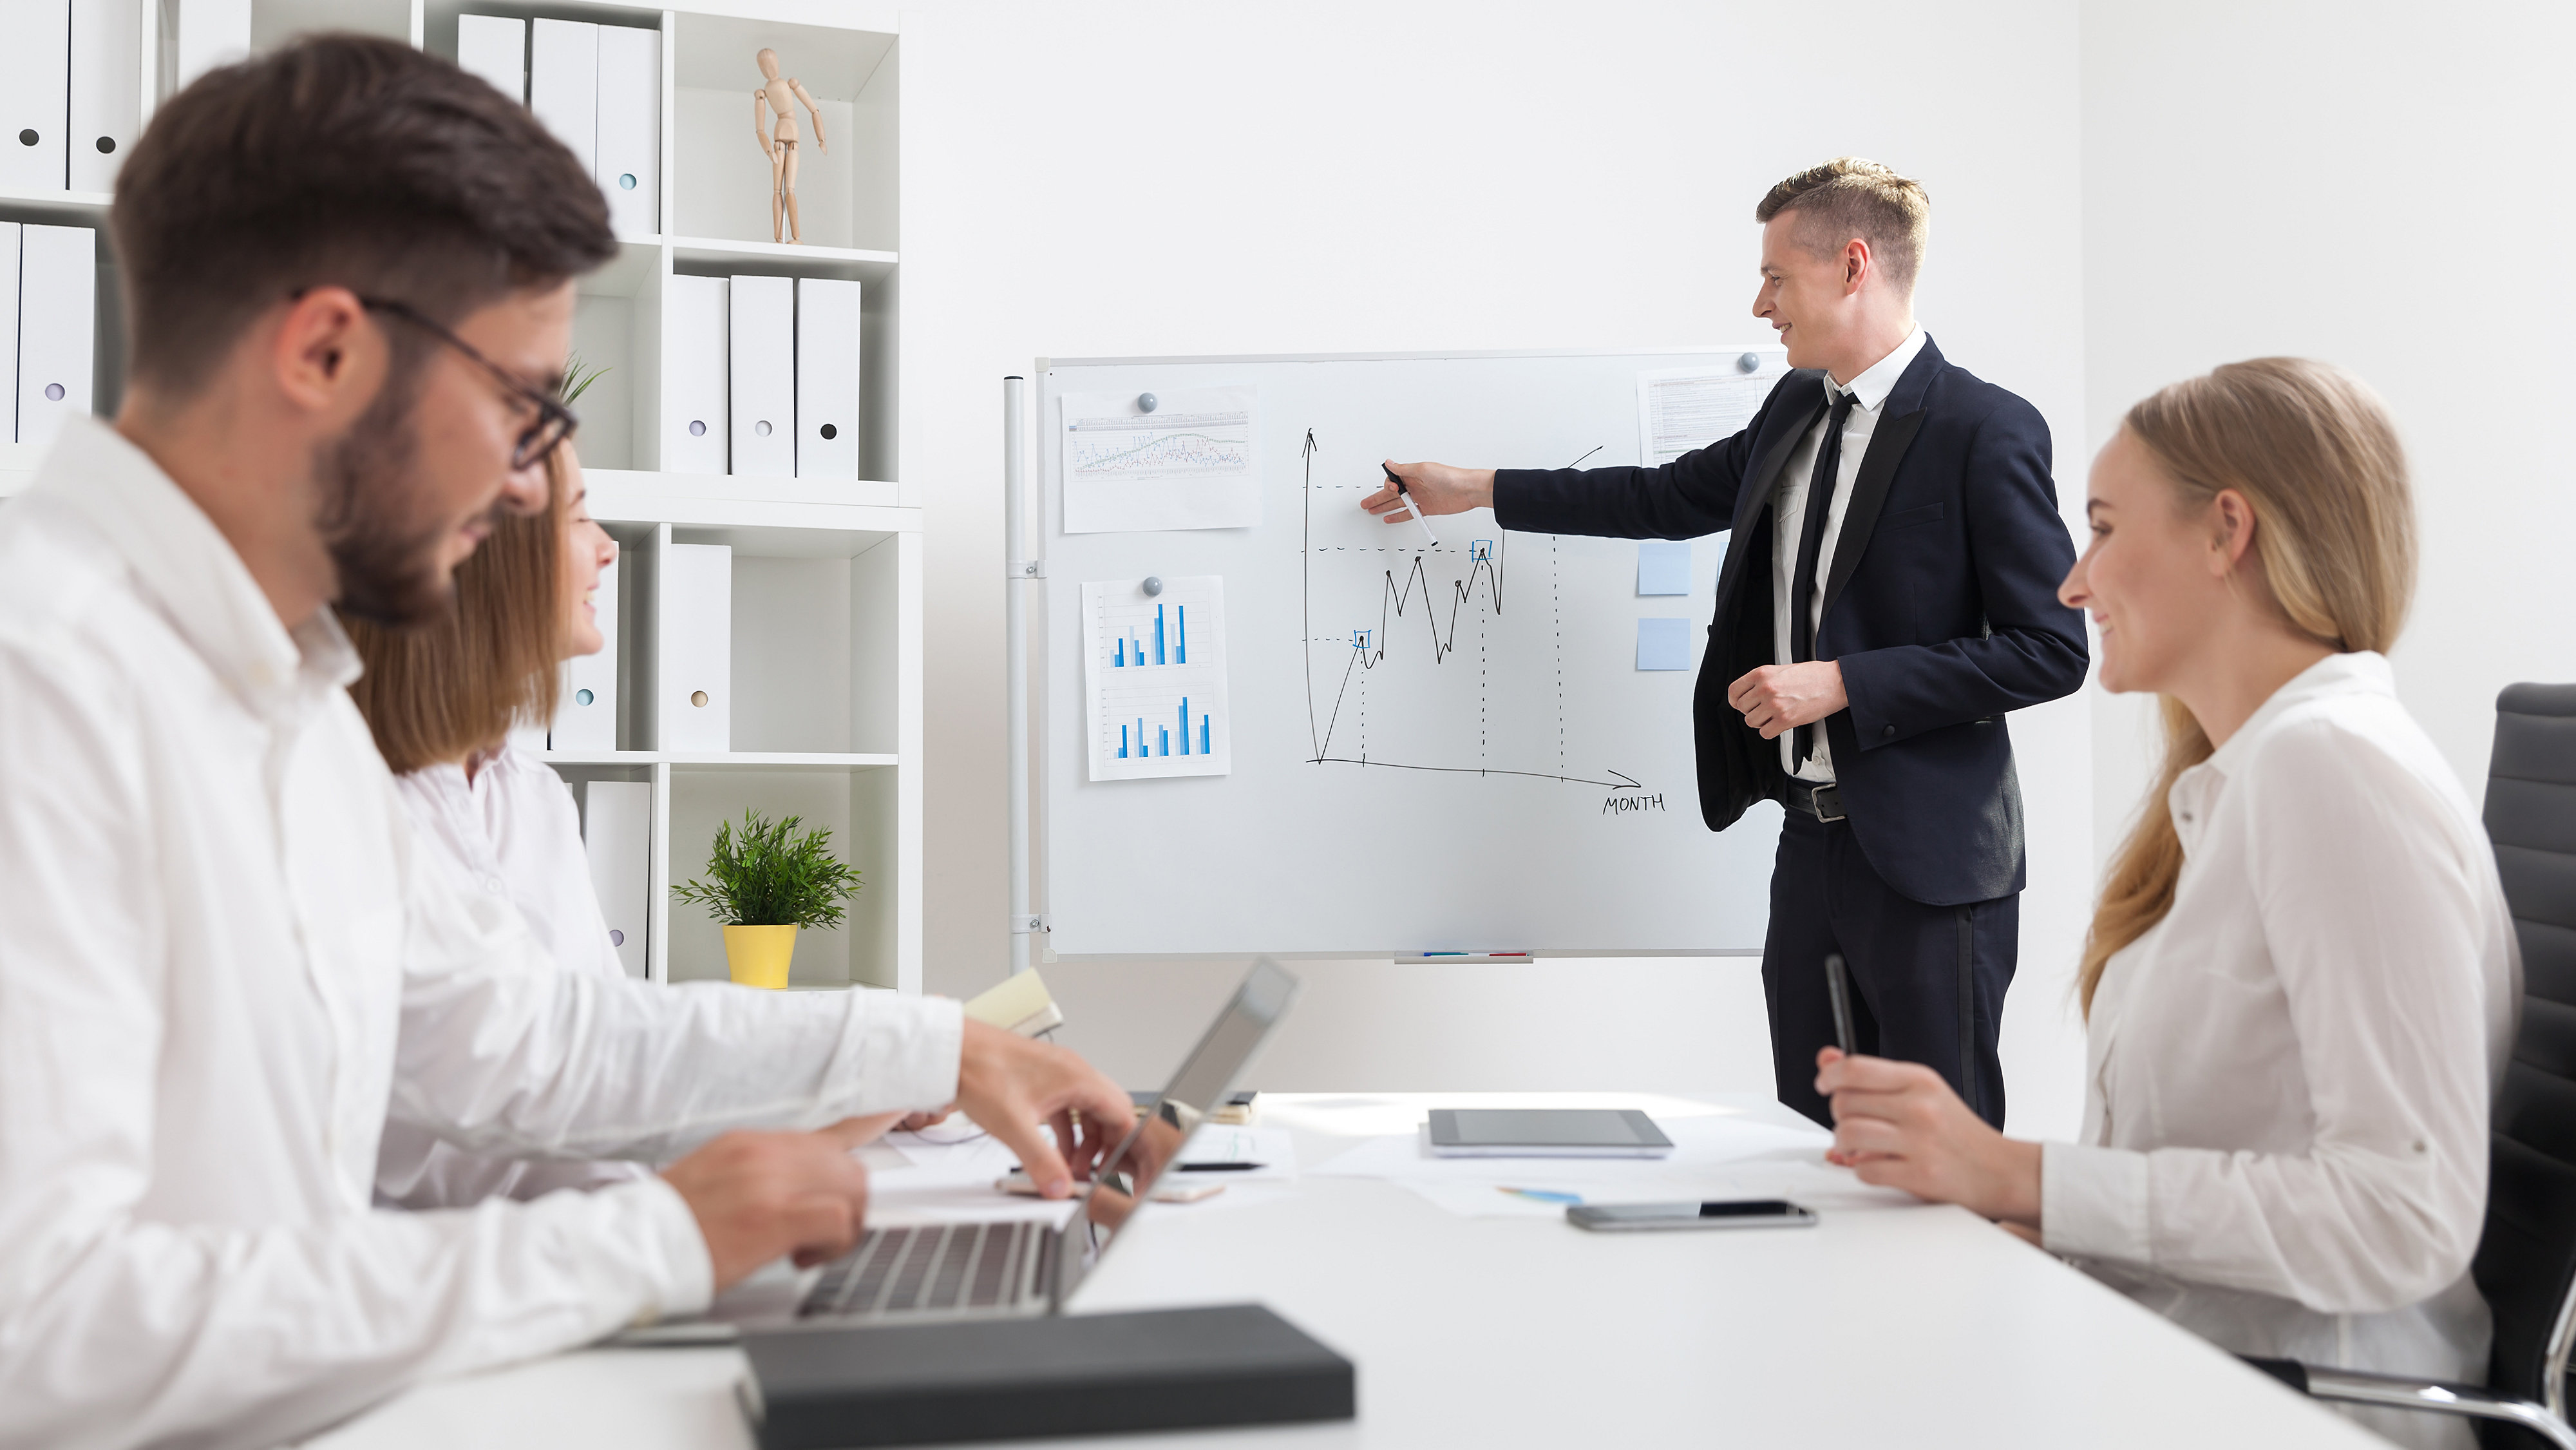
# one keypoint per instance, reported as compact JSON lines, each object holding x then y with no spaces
{"x":1192,"y":462}
{"x":1154,"y":679}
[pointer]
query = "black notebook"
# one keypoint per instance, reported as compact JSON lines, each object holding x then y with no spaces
{"x":1010,"y":1379}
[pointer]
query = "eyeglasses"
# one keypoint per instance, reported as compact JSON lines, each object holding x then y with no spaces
{"x":555,"y":422}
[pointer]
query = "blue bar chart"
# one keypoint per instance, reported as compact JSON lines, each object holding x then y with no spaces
{"x":1155,"y":683}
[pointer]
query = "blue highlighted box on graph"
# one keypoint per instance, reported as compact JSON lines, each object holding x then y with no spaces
{"x":1663,"y":567}
{"x":1663,"y":644}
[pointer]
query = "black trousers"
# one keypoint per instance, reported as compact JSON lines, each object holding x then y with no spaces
{"x":1927,"y":981}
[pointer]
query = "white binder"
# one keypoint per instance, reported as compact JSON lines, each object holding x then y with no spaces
{"x":563,"y":85}
{"x":211,"y":33}
{"x":694,"y":665}
{"x":57,"y":316}
{"x":696,"y":315}
{"x":630,"y":128}
{"x":34,"y":99}
{"x":764,"y":376}
{"x":586,"y":707}
{"x":827,"y":378}
{"x":10,"y":233}
{"x":617,"y":834}
{"x":106,"y":90}
{"x":495,"y":48}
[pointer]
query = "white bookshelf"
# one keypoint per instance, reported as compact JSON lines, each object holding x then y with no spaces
{"x":827,"y":586}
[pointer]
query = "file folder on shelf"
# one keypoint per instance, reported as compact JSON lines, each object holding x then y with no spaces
{"x":211,"y":33}
{"x":827,"y":378}
{"x":694,"y":660}
{"x":630,"y":128}
{"x":586,"y":708}
{"x":34,"y":95}
{"x":617,"y":834}
{"x":57,"y":320}
{"x":696,"y":319}
{"x":106,"y":90}
{"x":495,"y":48}
{"x":563,"y":85}
{"x":764,"y":376}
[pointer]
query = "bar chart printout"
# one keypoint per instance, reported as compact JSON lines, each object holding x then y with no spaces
{"x":1154,"y":679}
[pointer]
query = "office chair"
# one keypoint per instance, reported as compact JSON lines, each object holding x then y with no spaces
{"x":2526,"y":1260}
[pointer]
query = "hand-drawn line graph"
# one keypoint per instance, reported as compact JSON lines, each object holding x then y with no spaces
{"x":1159,"y":446}
{"x":1474,"y":596}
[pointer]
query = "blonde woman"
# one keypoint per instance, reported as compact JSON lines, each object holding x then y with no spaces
{"x":2301,"y":981}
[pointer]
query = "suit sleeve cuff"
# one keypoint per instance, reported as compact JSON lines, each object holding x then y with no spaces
{"x":1507,"y":483}
{"x":900,"y":1052}
{"x":2093,"y":1203}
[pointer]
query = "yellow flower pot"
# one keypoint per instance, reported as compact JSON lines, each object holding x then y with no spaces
{"x":758,"y":955}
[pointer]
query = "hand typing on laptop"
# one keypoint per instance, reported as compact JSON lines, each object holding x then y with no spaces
{"x":762,"y":1196}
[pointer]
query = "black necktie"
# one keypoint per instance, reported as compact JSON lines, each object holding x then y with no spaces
{"x":1802,"y":581}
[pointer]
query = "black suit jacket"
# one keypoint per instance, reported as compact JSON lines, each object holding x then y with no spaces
{"x":1941,"y":607}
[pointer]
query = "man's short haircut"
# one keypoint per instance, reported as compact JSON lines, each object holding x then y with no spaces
{"x":1848,"y":197}
{"x":338,"y":159}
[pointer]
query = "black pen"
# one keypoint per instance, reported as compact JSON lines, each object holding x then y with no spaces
{"x":1838,"y":987}
{"x":1219,"y":1167}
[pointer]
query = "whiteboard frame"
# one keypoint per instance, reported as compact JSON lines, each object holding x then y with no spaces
{"x":1025,"y":511}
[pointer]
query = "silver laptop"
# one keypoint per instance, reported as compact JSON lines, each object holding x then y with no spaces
{"x":1021,"y":1267}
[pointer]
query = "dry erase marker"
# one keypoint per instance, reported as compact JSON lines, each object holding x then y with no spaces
{"x":1409,"y":507}
{"x":1838,"y":987}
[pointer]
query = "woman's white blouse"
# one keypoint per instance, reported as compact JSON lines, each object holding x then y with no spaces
{"x":513,"y":834}
{"x":2285,"y":1117}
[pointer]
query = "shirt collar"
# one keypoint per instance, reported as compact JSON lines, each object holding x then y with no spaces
{"x":1873,"y":386}
{"x":182,"y":561}
{"x":2357,"y":672}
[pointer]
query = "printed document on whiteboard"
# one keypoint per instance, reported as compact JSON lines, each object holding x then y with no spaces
{"x":1153,"y":679}
{"x":1679,"y":409}
{"x":1192,"y":463}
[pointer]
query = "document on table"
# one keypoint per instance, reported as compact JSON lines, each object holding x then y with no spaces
{"x":1194,"y":462}
{"x":1715,"y":1156}
{"x":1153,"y":679}
{"x":1679,"y":409}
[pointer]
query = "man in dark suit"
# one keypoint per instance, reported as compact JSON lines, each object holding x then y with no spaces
{"x":1889,"y":591}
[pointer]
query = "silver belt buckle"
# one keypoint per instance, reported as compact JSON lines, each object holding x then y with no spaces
{"x":1827,"y":800}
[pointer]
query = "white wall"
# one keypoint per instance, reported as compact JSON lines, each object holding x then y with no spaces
{"x":2381,"y":186}
{"x":1305,"y":177}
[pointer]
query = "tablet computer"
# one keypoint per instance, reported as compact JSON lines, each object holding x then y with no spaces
{"x":1545,"y":1133}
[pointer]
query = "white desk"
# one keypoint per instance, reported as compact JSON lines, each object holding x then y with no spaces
{"x":1883,"y":1325}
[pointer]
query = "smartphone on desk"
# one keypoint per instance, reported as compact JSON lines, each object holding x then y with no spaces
{"x":1715,"y":1213}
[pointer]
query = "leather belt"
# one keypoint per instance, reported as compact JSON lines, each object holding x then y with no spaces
{"x":1822,"y":801}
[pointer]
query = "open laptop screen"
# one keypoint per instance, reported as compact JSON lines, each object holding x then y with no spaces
{"x":1207,"y":1077}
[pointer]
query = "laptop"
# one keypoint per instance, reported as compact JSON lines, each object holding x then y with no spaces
{"x":1020,"y":1267}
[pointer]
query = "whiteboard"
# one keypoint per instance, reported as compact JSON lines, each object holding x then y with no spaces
{"x":1433,"y":749}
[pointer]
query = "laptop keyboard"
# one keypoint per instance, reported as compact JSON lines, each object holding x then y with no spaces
{"x":931,"y":1269}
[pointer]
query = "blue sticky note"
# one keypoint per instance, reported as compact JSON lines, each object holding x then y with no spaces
{"x":1663,"y":644}
{"x":1663,"y":566}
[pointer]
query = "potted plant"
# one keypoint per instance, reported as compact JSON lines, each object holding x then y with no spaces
{"x":763,"y":882}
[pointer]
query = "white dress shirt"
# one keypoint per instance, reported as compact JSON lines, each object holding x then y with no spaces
{"x":2285,"y":1111}
{"x":1789,"y":521}
{"x":224,"y":963}
{"x":511,"y":832}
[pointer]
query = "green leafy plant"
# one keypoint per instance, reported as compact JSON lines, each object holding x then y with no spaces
{"x":767,"y":874}
{"x":577,"y":378}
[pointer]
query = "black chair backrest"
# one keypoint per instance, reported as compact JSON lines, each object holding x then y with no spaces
{"x":2526,"y":1263}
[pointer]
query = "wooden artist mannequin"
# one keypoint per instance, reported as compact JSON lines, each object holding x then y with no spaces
{"x":779,"y":142}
